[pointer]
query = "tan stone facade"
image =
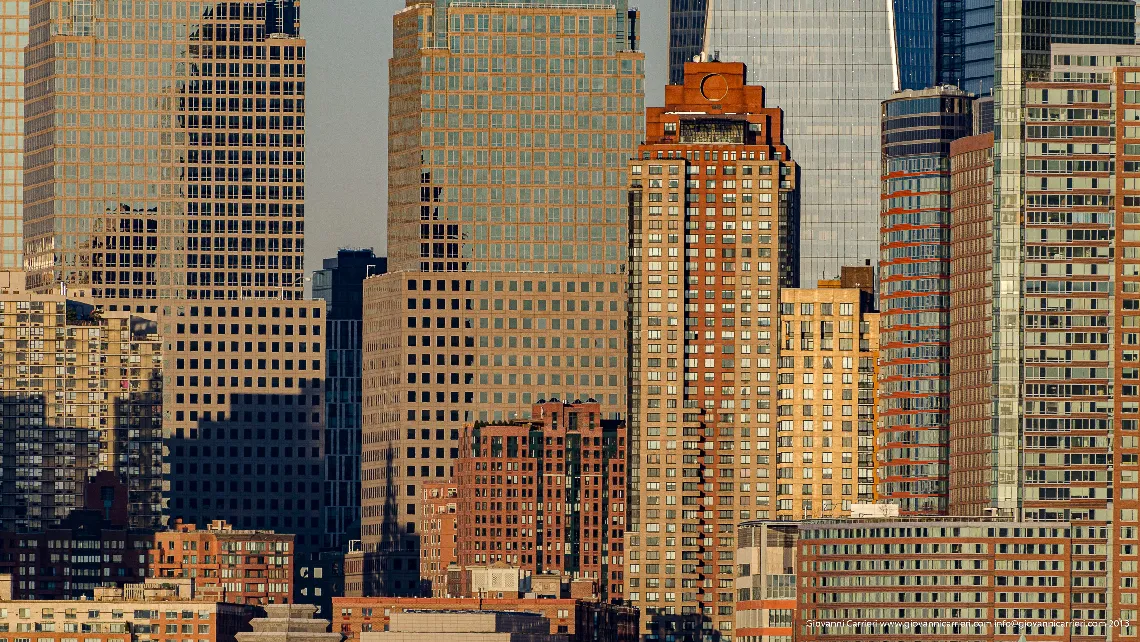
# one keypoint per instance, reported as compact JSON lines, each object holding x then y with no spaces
{"x":165,"y":151}
{"x":823,"y":450}
{"x":443,"y":352}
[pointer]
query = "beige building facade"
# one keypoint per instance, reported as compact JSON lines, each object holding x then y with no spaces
{"x":80,"y":392}
{"x":440,"y":353}
{"x":14,"y":29}
{"x":165,"y":151}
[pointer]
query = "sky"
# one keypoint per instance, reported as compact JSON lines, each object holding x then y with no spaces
{"x":348,"y":46}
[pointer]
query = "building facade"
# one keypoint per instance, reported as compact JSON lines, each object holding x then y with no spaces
{"x":929,"y":42}
{"x":442,"y":353}
{"x":562,"y":509}
{"x":160,"y":614}
{"x":971,"y":323}
{"x":341,"y":285}
{"x":828,"y":66}
{"x":712,"y":197}
{"x":766,"y":581}
{"x":977,"y":580}
{"x":581,"y":620}
{"x":914,"y":293}
{"x":489,"y":173}
{"x":827,"y":380}
{"x":486,"y":171}
{"x":15,"y":31}
{"x":439,"y":536}
{"x":243,"y":566}
{"x":244,"y":403}
{"x":170,"y":163}
{"x":82,"y":393}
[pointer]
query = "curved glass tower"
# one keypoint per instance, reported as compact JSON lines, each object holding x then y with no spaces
{"x":914,"y":295}
{"x":828,"y":65}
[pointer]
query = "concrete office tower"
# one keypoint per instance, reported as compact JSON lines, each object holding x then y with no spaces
{"x":509,"y":128}
{"x":341,"y":285}
{"x":165,"y":151}
{"x":81,"y":393}
{"x":562,"y":475}
{"x":971,"y":323}
{"x":712,"y":195}
{"x":825,"y":436}
{"x":828,"y":65}
{"x":244,"y":404}
{"x":1023,"y":40}
{"x":440,"y":353}
{"x":510,"y":125}
{"x":14,"y":29}
{"x":914,"y":294}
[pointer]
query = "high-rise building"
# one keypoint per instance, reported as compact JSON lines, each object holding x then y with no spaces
{"x":440,"y":353}
{"x":826,"y":415}
{"x":165,"y":151}
{"x":971,"y":322}
{"x":1023,"y":37}
{"x":1058,"y":445}
{"x":914,"y":271}
{"x":81,"y":393}
{"x":766,"y":581}
{"x":546,"y":495}
{"x":244,"y":566}
{"x":244,"y":407}
{"x":712,"y":194}
{"x":506,"y":153}
{"x":929,"y":42}
{"x":341,"y":285}
{"x":510,"y":126}
{"x":14,"y":17}
{"x":828,"y":65}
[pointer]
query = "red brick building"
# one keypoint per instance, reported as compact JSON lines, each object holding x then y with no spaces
{"x":439,"y":543}
{"x":249,"y":566}
{"x":547,"y":494}
{"x":584,"y":621}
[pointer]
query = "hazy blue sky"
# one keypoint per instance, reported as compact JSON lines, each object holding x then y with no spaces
{"x":349,"y":43}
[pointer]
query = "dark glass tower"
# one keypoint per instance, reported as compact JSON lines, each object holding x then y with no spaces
{"x":341,"y":285}
{"x":928,"y":42}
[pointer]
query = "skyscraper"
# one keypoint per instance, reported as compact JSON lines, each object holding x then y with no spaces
{"x":507,"y":154}
{"x":341,"y":285}
{"x":14,"y":23}
{"x":81,"y":393}
{"x":712,"y":195}
{"x":510,"y":125}
{"x":928,"y":42}
{"x":165,"y":150}
{"x":1025,"y":31}
{"x":918,"y":127}
{"x":828,"y":66}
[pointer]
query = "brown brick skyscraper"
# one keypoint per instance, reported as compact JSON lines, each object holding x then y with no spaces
{"x":546,"y":495}
{"x":712,"y":197}
{"x":165,"y":150}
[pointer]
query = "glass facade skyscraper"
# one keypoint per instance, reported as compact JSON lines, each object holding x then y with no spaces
{"x":928,"y":42}
{"x":918,"y":127}
{"x":828,"y":66}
